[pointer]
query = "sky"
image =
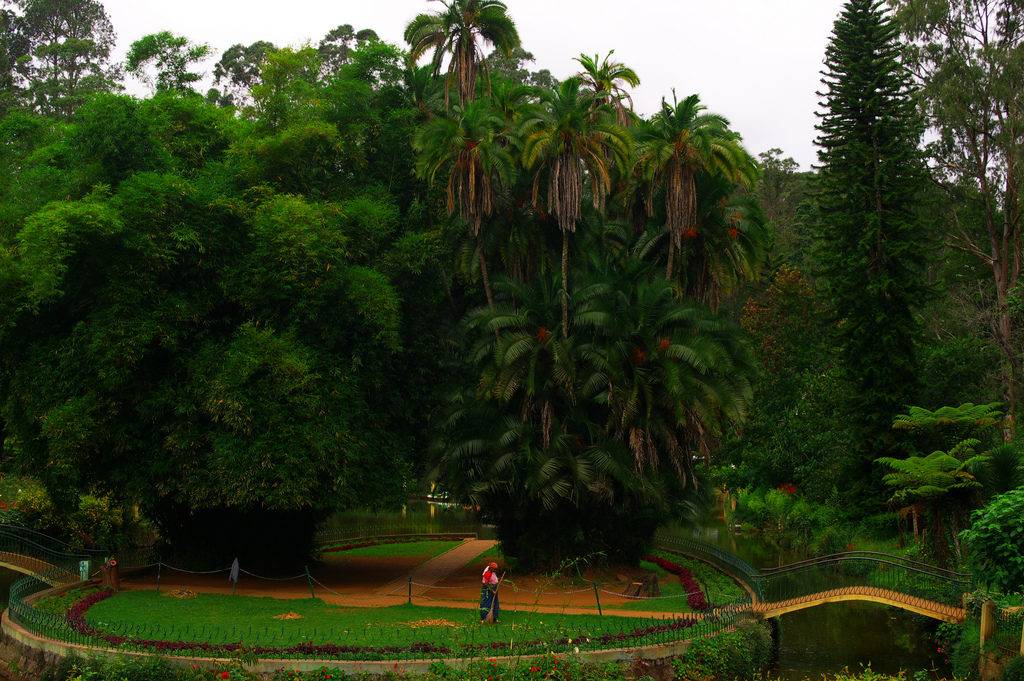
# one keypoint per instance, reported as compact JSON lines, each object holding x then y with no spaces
{"x":757,"y":62}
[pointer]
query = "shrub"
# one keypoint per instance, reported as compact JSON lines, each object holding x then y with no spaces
{"x":740,"y":654}
{"x":1015,"y":670}
{"x":995,"y":542}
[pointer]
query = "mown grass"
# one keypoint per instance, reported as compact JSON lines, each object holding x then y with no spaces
{"x":61,"y":603}
{"x":218,"y":619}
{"x":414,"y":549}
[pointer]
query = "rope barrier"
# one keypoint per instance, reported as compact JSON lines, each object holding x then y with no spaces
{"x":643,"y":598}
{"x":272,"y":579}
{"x":194,"y":572}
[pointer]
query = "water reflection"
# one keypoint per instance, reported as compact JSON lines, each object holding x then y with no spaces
{"x":837,"y":636}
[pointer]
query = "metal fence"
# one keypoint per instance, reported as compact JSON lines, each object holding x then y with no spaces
{"x":817,"y":575}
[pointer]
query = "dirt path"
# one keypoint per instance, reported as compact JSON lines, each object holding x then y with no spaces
{"x":438,"y":568}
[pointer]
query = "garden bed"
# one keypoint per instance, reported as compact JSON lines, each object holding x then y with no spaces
{"x":213,"y":624}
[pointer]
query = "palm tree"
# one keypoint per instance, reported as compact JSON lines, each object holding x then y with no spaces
{"x":469,"y":148}
{"x":458,"y":32}
{"x":608,"y":80}
{"x":680,"y":142}
{"x":732,"y":244}
{"x":674,"y":375}
{"x":567,"y":145}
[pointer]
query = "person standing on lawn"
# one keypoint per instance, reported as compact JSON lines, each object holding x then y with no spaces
{"x":489,"y":594}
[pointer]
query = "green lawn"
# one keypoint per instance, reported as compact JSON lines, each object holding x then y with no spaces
{"x":492,"y":554}
{"x":218,"y":619}
{"x":412,"y":549}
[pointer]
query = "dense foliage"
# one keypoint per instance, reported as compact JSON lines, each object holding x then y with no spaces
{"x":995,"y":542}
{"x":202,"y":311}
{"x":341,"y":274}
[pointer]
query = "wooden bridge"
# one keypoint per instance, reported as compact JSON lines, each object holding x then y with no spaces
{"x":852,"y":576}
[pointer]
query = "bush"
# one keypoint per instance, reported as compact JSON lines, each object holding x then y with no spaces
{"x":740,"y":654}
{"x":1015,"y":670}
{"x":962,"y":643}
{"x":995,"y":542}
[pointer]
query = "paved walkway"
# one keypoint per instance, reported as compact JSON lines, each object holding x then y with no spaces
{"x":438,"y":568}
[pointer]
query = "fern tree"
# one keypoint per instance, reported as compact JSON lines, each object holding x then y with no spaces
{"x":871,"y":241}
{"x":941,"y":483}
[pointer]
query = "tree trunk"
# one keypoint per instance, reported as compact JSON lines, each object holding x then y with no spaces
{"x":484,"y":275}
{"x":565,"y":284}
{"x":671,"y":256}
{"x":1003,"y":330}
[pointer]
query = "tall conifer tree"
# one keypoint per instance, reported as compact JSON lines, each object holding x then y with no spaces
{"x":872,"y":241}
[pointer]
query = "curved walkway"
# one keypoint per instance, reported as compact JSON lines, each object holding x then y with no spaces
{"x":438,"y":568}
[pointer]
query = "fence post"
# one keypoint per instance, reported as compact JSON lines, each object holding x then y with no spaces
{"x":988,"y":622}
{"x":309,"y":581}
{"x":158,"y":566}
{"x":597,"y":597}
{"x":410,"y":590}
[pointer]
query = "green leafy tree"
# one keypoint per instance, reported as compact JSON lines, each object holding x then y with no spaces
{"x":471,"y":149}
{"x":288,"y":88}
{"x":237,"y":72}
{"x":65,"y":53}
{"x":995,"y":542}
{"x":969,"y":60}
{"x":680,"y":142}
{"x":337,"y":45}
{"x":164,"y":61}
{"x":459,"y":32}
{"x":12,"y":46}
{"x":872,"y":239}
{"x":568,"y":148}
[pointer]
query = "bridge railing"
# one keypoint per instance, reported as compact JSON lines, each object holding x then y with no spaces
{"x":727,"y":562}
{"x":827,"y":573}
{"x":864,"y":569}
{"x":54,"y":559}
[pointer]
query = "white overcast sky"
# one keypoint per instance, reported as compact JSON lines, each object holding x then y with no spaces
{"x":755,"y":61}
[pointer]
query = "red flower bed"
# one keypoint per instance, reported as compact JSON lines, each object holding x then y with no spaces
{"x":694,"y":593}
{"x":76,"y":620}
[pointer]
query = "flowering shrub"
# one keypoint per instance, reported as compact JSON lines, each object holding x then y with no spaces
{"x":694,"y":594}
